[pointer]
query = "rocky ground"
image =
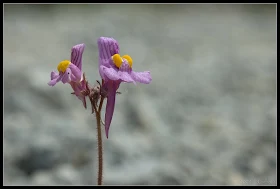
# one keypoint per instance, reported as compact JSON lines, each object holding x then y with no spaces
{"x":207,"y":118}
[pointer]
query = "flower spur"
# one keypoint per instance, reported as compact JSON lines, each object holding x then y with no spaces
{"x":71,"y":72}
{"x":114,"y":70}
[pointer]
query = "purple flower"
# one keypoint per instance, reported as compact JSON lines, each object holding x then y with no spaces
{"x":71,"y":72}
{"x":115,"y":69}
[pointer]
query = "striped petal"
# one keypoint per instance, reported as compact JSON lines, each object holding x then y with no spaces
{"x":76,"y":55}
{"x":107,"y":47}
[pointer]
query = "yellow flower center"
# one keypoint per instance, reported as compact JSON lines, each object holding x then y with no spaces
{"x":63,"y":65}
{"x":129,"y":59}
{"x":117,"y":59}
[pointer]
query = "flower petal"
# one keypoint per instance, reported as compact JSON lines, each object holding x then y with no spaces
{"x":107,"y":47}
{"x":66,"y":76}
{"x":76,"y":73}
{"x":141,"y":77}
{"x":55,"y":78}
{"x":54,"y":75}
{"x":78,"y":87}
{"x":110,"y":73}
{"x":76,"y":55}
{"x":110,"y":106}
{"x":125,"y":76}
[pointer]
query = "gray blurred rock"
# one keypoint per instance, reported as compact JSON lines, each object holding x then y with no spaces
{"x":207,"y":118}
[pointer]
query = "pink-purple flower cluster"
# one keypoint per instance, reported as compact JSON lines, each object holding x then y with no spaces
{"x":113,"y":68}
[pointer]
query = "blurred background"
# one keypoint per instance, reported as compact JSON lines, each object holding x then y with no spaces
{"x":207,"y":118}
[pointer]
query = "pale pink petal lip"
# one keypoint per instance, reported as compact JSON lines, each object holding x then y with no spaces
{"x":66,"y":76}
{"x":141,"y":77}
{"x":111,"y":73}
{"x":54,"y":75}
{"x":55,"y":78}
{"x":126,"y":77}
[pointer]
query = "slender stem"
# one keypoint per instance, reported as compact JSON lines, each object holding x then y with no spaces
{"x":99,"y":144}
{"x":100,"y":104}
{"x":99,"y":139}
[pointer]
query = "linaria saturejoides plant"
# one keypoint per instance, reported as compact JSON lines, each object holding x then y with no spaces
{"x":113,"y":69}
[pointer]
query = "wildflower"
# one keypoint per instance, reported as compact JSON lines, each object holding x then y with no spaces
{"x":71,"y":72}
{"x":115,"y":69}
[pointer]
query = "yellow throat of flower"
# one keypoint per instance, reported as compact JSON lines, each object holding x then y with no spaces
{"x":63,"y":65}
{"x":117,"y":59}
